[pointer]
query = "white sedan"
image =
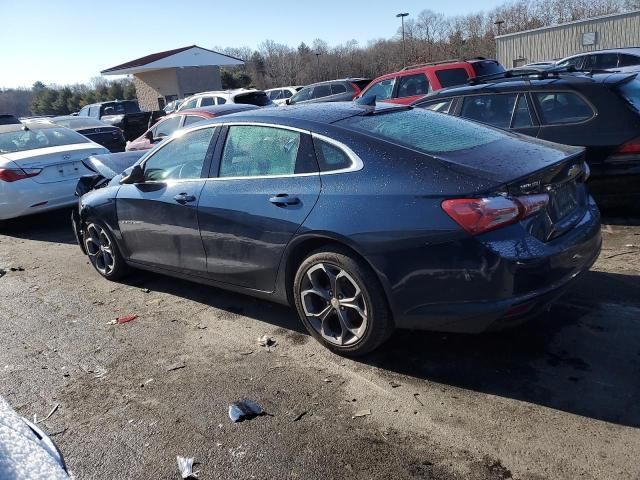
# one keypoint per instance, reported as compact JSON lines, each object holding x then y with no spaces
{"x":40,"y":165}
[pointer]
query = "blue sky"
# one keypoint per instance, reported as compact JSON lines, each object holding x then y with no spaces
{"x":70,"y":41}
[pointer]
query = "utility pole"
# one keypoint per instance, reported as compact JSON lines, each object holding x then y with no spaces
{"x":318,"y":63}
{"x":499,"y":23}
{"x":404,"y":50}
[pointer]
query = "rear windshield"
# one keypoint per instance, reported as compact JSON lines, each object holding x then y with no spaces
{"x":22,"y":140}
{"x":79,"y":122}
{"x":253,"y":98}
{"x":452,"y":76}
{"x":631,"y":91}
{"x":487,"y":67}
{"x":424,"y":131}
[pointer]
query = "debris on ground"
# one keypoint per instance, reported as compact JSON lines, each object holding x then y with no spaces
{"x":395,"y":384}
{"x":53,"y":410}
{"x":267,"y":342}
{"x":185,"y":465}
{"x":244,"y":410}
{"x":300,"y":415}
{"x":16,"y":269}
{"x":247,"y":352}
{"x":176,"y":366}
{"x":145,"y":290}
{"x":362,"y":413}
{"x":327,"y":380}
{"x":2,"y":272}
{"x":124,"y":319}
{"x":416,"y":395}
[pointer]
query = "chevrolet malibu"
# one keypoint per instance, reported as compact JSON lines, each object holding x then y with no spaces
{"x":40,"y":165}
{"x":364,"y":218}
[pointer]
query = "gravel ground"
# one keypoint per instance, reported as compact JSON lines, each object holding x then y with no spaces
{"x":556,"y":398}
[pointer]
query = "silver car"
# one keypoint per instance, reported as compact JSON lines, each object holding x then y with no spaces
{"x":621,"y":59}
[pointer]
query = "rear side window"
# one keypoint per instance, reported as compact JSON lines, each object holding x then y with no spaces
{"x":131,"y":107}
{"x":252,"y":151}
{"x":330,"y":157}
{"x":424,"y":131}
{"x":220,"y":100}
{"x":562,"y":107}
{"x":487,"y":67}
{"x":191,"y":119}
{"x":452,"y":76}
{"x":190,"y":104}
{"x":494,"y":110}
{"x":631,"y":92}
{"x":259,"y":99}
{"x":628,"y":60}
{"x":337,"y":88}
{"x":207,"y":101}
{"x":411,"y":85}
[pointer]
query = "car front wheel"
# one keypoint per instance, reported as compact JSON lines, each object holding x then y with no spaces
{"x":103,"y":251}
{"x":341,"y":302}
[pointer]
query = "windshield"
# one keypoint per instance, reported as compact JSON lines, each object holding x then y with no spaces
{"x":79,"y":122}
{"x":423,"y":130}
{"x":22,"y":140}
{"x":631,"y":91}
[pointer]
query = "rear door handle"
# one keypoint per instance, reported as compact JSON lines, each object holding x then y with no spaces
{"x":283,"y":199}
{"x":184,"y":198}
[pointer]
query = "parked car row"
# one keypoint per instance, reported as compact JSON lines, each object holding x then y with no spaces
{"x":124,"y":114}
{"x":599,"y":111}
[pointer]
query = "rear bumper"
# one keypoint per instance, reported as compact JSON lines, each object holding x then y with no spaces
{"x":534,"y":282}
{"x":26,"y":197}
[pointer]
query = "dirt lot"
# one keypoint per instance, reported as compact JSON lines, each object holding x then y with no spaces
{"x":557,"y":398}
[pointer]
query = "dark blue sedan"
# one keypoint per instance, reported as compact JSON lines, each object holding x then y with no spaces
{"x":365,"y":218}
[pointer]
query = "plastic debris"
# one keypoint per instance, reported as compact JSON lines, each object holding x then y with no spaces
{"x":53,"y":410}
{"x":362,"y":413}
{"x":124,"y":319}
{"x":395,"y":384}
{"x":16,"y":269}
{"x":300,"y":415}
{"x":416,"y":395}
{"x":176,"y":366}
{"x":267,"y":342}
{"x":145,"y":290}
{"x":244,"y":410}
{"x":185,"y":465}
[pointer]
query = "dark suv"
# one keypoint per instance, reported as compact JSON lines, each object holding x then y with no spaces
{"x":599,"y":111}
{"x":343,"y":90}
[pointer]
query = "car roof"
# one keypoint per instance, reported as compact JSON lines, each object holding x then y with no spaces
{"x":216,"y":109}
{"x":16,"y":127}
{"x":109,"y":101}
{"x":630,"y":50}
{"x":352,"y":79}
{"x":565,"y":80}
{"x":306,"y":115}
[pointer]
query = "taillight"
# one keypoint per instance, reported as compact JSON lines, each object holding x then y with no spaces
{"x":15,"y":174}
{"x":627,"y":151}
{"x":480,"y":215}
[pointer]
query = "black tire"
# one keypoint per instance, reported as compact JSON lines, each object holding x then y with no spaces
{"x":372,"y":301}
{"x":118,"y":268}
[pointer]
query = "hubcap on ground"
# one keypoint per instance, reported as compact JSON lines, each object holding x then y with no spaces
{"x":99,"y":249}
{"x":333,"y":304}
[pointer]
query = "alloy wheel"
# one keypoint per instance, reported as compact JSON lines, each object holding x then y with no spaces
{"x":99,"y":249}
{"x":334,"y":304}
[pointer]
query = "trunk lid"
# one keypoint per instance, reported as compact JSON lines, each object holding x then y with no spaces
{"x":58,"y":164}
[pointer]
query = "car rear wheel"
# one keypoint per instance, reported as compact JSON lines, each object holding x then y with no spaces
{"x":103,"y":251}
{"x":341,"y":302}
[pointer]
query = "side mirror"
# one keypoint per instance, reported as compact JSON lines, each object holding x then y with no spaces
{"x":149,"y":136}
{"x":288,"y":101}
{"x":135,"y":176}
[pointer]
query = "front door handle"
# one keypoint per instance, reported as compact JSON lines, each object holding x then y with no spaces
{"x":184,"y":198}
{"x":283,"y":199}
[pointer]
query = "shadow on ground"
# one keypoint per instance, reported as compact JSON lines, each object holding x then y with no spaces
{"x":52,"y":227}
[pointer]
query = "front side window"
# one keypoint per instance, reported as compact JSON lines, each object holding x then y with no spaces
{"x":575,"y":62}
{"x":494,"y":110}
{"x":320,"y":91}
{"x":252,"y":151}
{"x":166,"y":127}
{"x":191,"y":119}
{"x":182,"y":158}
{"x":190,"y":104}
{"x":601,"y":61}
{"x":452,"y":76}
{"x":207,"y":101}
{"x":562,"y":107}
{"x":84,"y":112}
{"x":330,"y":157}
{"x":424,"y":131}
{"x":275,"y":94}
{"x":286,"y":93}
{"x":303,"y":95}
{"x":441,"y":106}
{"x":382,"y":90}
{"x":411,"y":85}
